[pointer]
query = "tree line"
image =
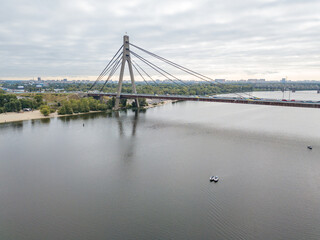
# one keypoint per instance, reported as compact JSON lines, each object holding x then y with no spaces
{"x":63,"y":103}
{"x":198,"y":88}
{"x":85,"y":105}
{"x":10,"y":102}
{"x":163,"y":88}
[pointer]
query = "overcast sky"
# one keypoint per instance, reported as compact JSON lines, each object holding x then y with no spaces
{"x":229,"y":39}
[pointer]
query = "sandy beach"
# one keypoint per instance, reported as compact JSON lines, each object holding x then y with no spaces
{"x":157,"y":102}
{"x":14,"y":117}
{"x":22,"y":116}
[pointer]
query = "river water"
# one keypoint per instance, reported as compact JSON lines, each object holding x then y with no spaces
{"x":146,"y":175}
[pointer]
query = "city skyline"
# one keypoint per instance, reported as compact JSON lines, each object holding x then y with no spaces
{"x":231,"y":40}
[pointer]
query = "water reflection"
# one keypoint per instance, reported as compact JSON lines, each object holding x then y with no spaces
{"x":128,"y":146}
{"x":85,"y":116}
{"x":45,"y":120}
{"x":38,"y":122}
{"x":135,"y":122}
{"x":120,"y":125}
{"x":66,"y":119}
{"x":12,"y":125}
{"x":130,"y":175}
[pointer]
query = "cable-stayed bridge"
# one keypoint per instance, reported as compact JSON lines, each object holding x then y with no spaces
{"x":123,"y":57}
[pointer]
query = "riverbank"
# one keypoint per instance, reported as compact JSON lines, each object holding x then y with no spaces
{"x":23,"y":116}
{"x":157,"y":102}
{"x":15,"y":117}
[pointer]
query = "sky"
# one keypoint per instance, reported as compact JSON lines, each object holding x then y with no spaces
{"x":224,"y":39}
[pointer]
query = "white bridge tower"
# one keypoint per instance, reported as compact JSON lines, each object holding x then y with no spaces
{"x":125,"y":58}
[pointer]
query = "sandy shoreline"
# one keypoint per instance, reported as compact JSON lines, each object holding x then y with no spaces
{"x":15,"y":117}
{"x":156,"y":102}
{"x":23,"y":116}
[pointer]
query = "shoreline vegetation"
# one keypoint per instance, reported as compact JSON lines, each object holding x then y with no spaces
{"x":47,"y":111}
{"x":35,"y":105}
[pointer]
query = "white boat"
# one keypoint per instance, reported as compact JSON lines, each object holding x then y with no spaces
{"x":214,"y":179}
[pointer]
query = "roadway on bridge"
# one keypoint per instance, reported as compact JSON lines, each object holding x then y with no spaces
{"x":253,"y":100}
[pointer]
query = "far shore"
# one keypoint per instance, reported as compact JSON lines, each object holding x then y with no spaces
{"x":23,"y":116}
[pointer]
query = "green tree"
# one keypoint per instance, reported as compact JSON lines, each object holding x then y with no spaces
{"x":27,"y":103}
{"x":75,"y":104}
{"x":111,"y":102}
{"x":68,"y":107}
{"x":123,"y":102}
{"x":143,"y":102}
{"x":102,"y":107}
{"x":62,"y":110}
{"x":45,"y":110}
{"x":39,"y":99}
{"x":84,"y":105}
{"x":5,"y":98}
{"x":93,"y":104}
{"x":12,"y":106}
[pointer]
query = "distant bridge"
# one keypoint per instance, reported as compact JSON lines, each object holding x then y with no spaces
{"x":259,"y":101}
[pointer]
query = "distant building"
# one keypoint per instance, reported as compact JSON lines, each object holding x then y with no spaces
{"x":58,"y":90}
{"x":20,"y":87}
{"x":39,"y":78}
{"x":220,"y":80}
{"x":256,"y":80}
{"x":252,"y":80}
{"x":18,"y":90}
{"x":283,"y":80}
{"x":65,"y":80}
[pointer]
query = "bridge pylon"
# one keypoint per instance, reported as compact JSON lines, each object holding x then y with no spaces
{"x":125,"y":58}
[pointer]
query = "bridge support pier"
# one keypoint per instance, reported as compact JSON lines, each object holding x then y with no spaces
{"x":125,"y":58}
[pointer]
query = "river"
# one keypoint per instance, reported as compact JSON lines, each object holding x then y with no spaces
{"x":145,"y":175}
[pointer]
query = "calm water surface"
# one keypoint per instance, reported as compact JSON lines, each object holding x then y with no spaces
{"x":146,"y":175}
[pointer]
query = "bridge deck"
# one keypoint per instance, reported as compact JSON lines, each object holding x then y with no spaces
{"x":262,"y":101}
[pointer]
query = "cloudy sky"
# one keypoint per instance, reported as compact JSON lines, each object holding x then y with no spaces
{"x":228,"y":39}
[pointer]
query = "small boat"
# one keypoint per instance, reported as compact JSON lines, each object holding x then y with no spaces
{"x":214,"y":179}
{"x":309,"y":147}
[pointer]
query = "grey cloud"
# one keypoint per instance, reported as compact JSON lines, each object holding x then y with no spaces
{"x":224,"y":39}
